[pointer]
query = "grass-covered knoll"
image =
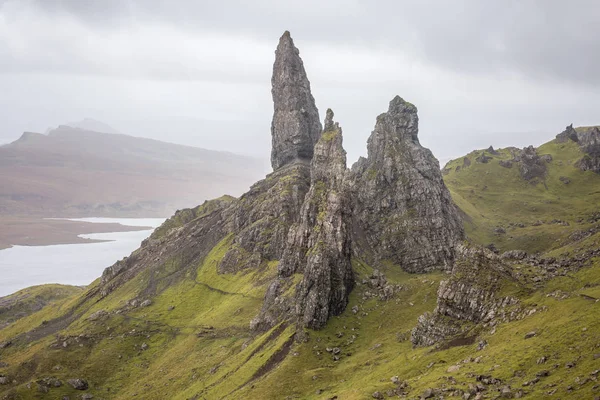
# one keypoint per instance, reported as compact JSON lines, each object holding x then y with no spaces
{"x":501,"y":207}
{"x":182,"y":217}
{"x":32,"y":299}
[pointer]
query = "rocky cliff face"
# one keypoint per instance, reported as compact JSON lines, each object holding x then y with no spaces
{"x":590,"y":145}
{"x":318,"y":249}
{"x":296,"y":126}
{"x":403,"y":211}
{"x":469,"y":296}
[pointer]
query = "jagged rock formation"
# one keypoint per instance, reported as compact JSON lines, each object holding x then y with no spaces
{"x":403,"y":210}
{"x":296,"y":126}
{"x":302,"y":214}
{"x":568,"y":134}
{"x":319,"y":246}
{"x":590,"y":145}
{"x":532,"y":166}
{"x":469,"y":296}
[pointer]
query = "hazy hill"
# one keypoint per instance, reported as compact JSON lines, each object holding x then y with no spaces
{"x":76,"y":172}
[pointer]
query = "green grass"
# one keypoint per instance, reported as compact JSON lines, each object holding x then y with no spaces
{"x":492,"y":196}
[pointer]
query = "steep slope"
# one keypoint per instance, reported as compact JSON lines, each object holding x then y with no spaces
{"x":74,"y":172}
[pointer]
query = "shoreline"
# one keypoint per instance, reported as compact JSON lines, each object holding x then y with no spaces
{"x":38,"y":231}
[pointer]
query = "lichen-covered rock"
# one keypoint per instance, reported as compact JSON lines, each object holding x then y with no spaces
{"x":568,"y":134}
{"x":260,"y":220}
{"x":403,"y":210}
{"x":590,"y":145}
{"x":296,"y":126}
{"x":319,"y":245}
{"x":469,"y":296}
{"x":531,"y":166}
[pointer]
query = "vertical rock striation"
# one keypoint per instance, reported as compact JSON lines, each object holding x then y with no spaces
{"x":403,"y":211}
{"x":296,"y":126}
{"x":319,"y":245}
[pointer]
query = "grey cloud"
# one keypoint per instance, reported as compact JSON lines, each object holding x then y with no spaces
{"x":198,"y":72}
{"x":550,"y":39}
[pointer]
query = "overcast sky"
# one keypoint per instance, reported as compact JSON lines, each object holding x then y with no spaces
{"x":198,"y":72}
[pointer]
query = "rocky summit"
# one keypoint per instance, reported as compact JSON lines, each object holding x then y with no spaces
{"x":296,"y":126}
{"x":389,"y":279}
{"x":403,"y":213}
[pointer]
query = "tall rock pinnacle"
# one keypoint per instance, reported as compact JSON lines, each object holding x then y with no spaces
{"x":296,"y":127}
{"x":403,"y":210}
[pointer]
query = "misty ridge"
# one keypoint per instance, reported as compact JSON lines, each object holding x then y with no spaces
{"x":76,"y":172}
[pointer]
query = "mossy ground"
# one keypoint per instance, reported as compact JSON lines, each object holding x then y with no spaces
{"x":492,"y":196}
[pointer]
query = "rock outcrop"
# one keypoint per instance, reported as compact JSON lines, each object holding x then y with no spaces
{"x":532,"y":166}
{"x":296,"y":126}
{"x":319,"y":245}
{"x":403,"y":210}
{"x":470,"y":296}
{"x":589,"y":141}
{"x":568,"y":134}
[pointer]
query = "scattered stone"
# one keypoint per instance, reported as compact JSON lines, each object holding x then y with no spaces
{"x":505,"y":164}
{"x":78,"y":384}
{"x":144,"y":346}
{"x":542,"y":360}
{"x":170,"y":308}
{"x":355,"y":310}
{"x":483,"y":158}
{"x":86,"y":396}
{"x":146,"y":303}
{"x":542,"y":373}
{"x":564,"y":180}
{"x":377,"y":395}
{"x":98,"y":315}
{"x":4,"y":380}
{"x":5,"y":344}
{"x":482,"y":345}
{"x":453,"y":368}
{"x":506,"y":392}
{"x":531,"y":334}
{"x":428,"y":394}
{"x":395,"y":379}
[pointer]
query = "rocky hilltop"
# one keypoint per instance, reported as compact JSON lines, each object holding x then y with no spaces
{"x":388,"y":279}
{"x":312,"y":213}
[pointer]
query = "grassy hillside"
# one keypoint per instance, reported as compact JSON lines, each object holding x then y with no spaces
{"x":192,"y":340}
{"x":501,"y":207}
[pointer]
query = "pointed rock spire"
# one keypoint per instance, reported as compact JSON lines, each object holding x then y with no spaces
{"x":402,"y":207}
{"x":568,"y":133}
{"x":296,"y":126}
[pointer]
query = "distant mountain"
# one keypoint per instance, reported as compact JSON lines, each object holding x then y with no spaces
{"x":78,"y":172}
{"x":90,"y":124}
